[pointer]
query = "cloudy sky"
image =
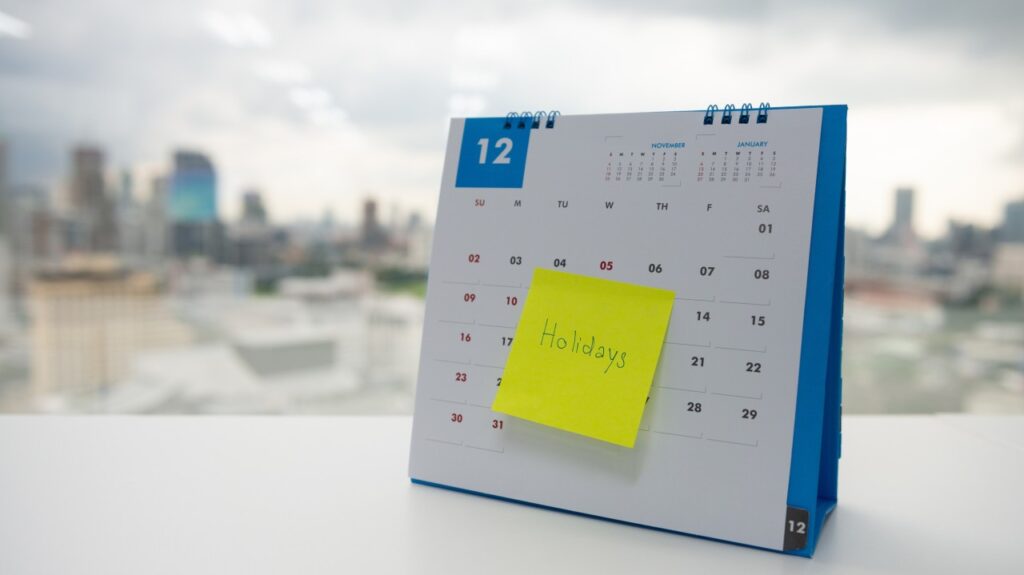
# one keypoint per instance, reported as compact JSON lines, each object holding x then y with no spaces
{"x":324,"y":102}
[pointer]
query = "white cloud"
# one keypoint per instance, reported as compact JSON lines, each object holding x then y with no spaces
{"x":282,"y":71}
{"x":310,"y":98}
{"x":328,"y":117}
{"x":236,"y":28}
{"x":13,"y":27}
{"x":466,"y":105}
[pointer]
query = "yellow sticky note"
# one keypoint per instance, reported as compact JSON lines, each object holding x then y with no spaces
{"x":584,"y":355}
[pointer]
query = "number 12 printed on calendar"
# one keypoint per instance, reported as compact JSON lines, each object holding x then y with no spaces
{"x":739,"y":213}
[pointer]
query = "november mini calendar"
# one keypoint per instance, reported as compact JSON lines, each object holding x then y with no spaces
{"x":704,"y":250}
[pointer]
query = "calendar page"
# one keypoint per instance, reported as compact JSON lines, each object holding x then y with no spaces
{"x":721,"y":215}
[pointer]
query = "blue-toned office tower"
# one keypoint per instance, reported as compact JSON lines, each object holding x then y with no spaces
{"x":192,"y":207}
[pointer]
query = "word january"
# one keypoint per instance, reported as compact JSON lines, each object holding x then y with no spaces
{"x":577,"y":346}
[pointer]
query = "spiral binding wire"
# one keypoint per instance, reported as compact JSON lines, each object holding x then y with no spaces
{"x":709,"y":115}
{"x":745,"y":111}
{"x":531,"y":120}
{"x":727,"y":113}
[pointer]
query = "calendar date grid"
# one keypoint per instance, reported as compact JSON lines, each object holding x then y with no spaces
{"x":503,"y":339}
{"x":707,"y":176}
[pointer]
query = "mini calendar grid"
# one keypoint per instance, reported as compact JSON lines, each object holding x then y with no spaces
{"x":740,"y":214}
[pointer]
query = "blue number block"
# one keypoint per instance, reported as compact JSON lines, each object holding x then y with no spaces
{"x":492,"y":156}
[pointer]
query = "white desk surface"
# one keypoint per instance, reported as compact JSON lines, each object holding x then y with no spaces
{"x":251,"y":495}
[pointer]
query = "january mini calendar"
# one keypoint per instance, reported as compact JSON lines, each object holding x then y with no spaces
{"x":739,"y":212}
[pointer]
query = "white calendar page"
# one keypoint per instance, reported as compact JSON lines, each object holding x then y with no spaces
{"x":721,"y":215}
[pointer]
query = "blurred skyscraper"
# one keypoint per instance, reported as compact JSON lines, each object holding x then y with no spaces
{"x":253,"y":210}
{"x":193,"y":194}
{"x":192,"y":207}
{"x":31,"y":227}
{"x":131,"y":223}
{"x":374,"y":235}
{"x":5,"y":253}
{"x":1013,"y":222}
{"x":91,"y":223}
{"x":901,"y":232}
{"x":250,"y":242}
{"x":5,"y":211}
{"x":86,"y":177}
{"x":1008,"y":260}
{"x":157,"y":233}
{"x":126,"y":190}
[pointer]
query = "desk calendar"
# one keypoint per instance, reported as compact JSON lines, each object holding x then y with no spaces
{"x":739,"y":212}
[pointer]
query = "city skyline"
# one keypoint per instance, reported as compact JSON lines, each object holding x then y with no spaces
{"x":322,"y":105}
{"x":188,"y":179}
{"x":204,"y":197}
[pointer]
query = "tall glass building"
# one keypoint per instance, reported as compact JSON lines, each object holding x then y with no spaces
{"x":193,"y":190}
{"x":192,"y":207}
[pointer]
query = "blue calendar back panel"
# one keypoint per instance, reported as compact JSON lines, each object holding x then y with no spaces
{"x":816,"y":445}
{"x":491,"y":155}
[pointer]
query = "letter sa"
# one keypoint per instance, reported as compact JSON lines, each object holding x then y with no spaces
{"x":492,"y":156}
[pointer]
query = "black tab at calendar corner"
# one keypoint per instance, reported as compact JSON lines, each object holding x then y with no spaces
{"x":798,"y":524}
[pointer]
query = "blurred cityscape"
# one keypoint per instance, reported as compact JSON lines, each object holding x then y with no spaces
{"x":935,"y":325}
{"x":121,"y":296}
{"x":137,"y":297}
